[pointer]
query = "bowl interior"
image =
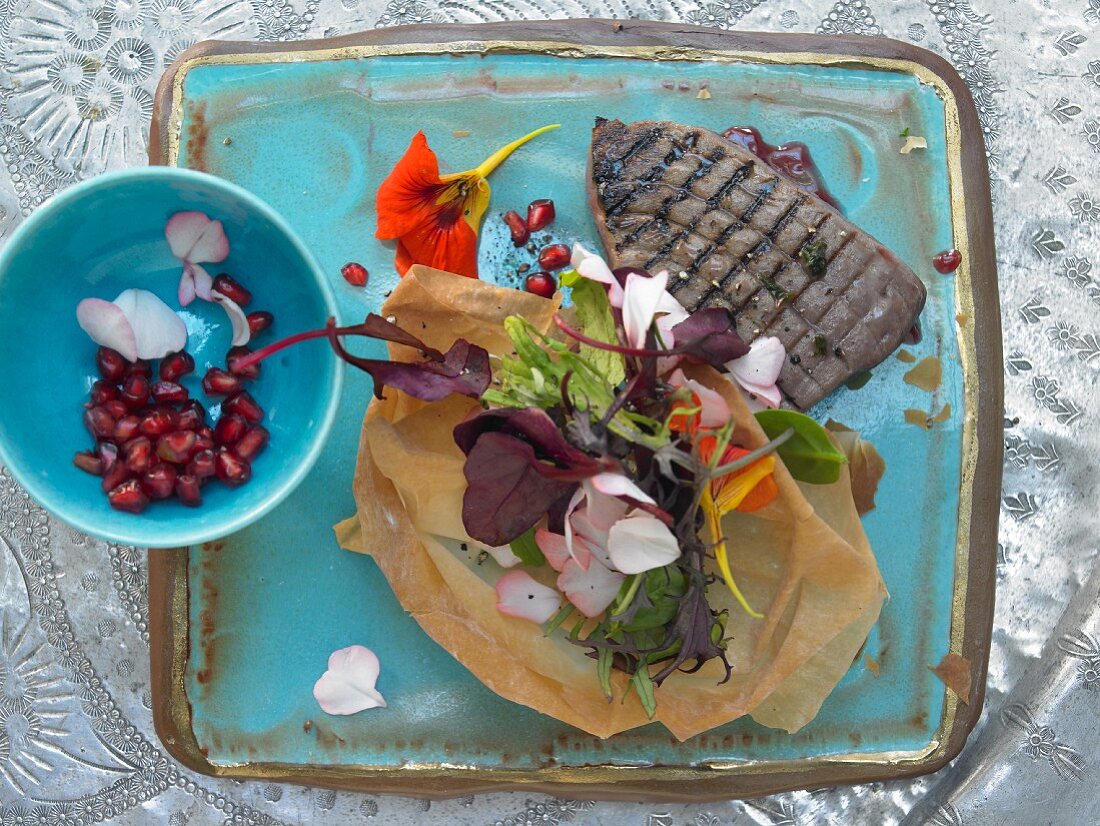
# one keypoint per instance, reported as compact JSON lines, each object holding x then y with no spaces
{"x":106,"y":236}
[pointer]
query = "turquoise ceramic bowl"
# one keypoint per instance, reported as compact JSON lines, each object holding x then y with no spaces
{"x":106,"y":235}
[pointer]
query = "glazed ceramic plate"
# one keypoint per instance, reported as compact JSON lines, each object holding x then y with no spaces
{"x":243,"y":627}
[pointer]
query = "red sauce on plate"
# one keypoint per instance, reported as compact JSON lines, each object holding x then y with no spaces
{"x":792,"y":159}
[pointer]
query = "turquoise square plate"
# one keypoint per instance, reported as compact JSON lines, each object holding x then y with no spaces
{"x":243,"y":627}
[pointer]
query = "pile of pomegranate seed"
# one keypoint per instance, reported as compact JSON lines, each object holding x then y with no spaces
{"x":540,"y":214}
{"x":154,"y":442}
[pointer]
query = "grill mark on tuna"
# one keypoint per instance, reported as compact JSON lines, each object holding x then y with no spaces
{"x":682,"y":195}
{"x":651,"y":177}
{"x":706,"y":164}
{"x":761,"y":246}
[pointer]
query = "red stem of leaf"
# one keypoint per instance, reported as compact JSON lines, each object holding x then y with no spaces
{"x":281,"y":344}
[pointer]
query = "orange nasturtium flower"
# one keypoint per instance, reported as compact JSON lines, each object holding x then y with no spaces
{"x":746,"y":490}
{"x":435,"y":218}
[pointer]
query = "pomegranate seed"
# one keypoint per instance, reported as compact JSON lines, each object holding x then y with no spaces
{"x":168,"y":392}
{"x":232,"y":290}
{"x":243,"y":405}
{"x":99,"y":422}
{"x":201,"y":465}
{"x":355,"y":274}
{"x":540,"y":214}
{"x":518,"y":227}
{"x":128,"y":497}
{"x":108,"y":455}
{"x":188,"y":491}
{"x":230,"y":468}
{"x":140,"y":368}
{"x":111,"y":363}
{"x":229,"y":429}
{"x":554,"y":257}
{"x":159,"y":482}
{"x":233,"y":359}
{"x":114,"y":477}
{"x":218,"y":382}
{"x":192,"y":416}
{"x":103,"y":391}
{"x":251,"y":443}
{"x":204,"y":439}
{"x":541,"y":283}
{"x":137,"y":455}
{"x":177,"y":446}
{"x":116,"y":407}
{"x":158,"y":422}
{"x":135,"y":392}
{"x":176,"y":365}
{"x":259,"y":321}
{"x":947,"y":261}
{"x":89,"y":463}
{"x":126,"y":428}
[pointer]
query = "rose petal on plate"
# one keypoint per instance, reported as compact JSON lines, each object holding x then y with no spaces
{"x":107,"y":324}
{"x":577,"y":553}
{"x":553,"y":547}
{"x":158,"y":330}
{"x":641,"y":298}
{"x":348,"y":685}
{"x":520,"y":595}
{"x":641,"y":542}
{"x":204,"y":284}
{"x":768,"y":395}
{"x":185,"y":293}
{"x":617,"y":484}
{"x":241,"y":331}
{"x":761,"y":365}
{"x":211,"y":247}
{"x":195,"y":237}
{"x":591,"y":590}
{"x":595,"y":268}
{"x":600,"y":512}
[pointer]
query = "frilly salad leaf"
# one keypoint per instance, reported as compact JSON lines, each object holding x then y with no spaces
{"x":809,"y":454}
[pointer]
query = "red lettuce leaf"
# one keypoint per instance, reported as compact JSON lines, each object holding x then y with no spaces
{"x":463,"y":369}
{"x":533,"y":426}
{"x":505,"y":494}
{"x":709,"y":335}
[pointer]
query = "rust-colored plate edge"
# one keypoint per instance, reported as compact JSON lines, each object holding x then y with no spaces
{"x":980,"y":345}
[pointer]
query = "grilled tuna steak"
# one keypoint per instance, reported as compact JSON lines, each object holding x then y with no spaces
{"x":733,"y":232}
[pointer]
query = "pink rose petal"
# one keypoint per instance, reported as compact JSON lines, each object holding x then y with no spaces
{"x":204,"y":284}
{"x":241,"y":331}
{"x":591,"y":590}
{"x":641,"y":542}
{"x":348,"y":685}
{"x":602,"y":509}
{"x":595,"y":268}
{"x":758,"y":369}
{"x":196,"y":238}
{"x":519,"y":595}
{"x":761,"y":365}
{"x":157,"y":329}
{"x":617,"y":484}
{"x":107,"y":325}
{"x":553,"y":547}
{"x":185,"y":293}
{"x":641,"y":298}
{"x":577,"y":550}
